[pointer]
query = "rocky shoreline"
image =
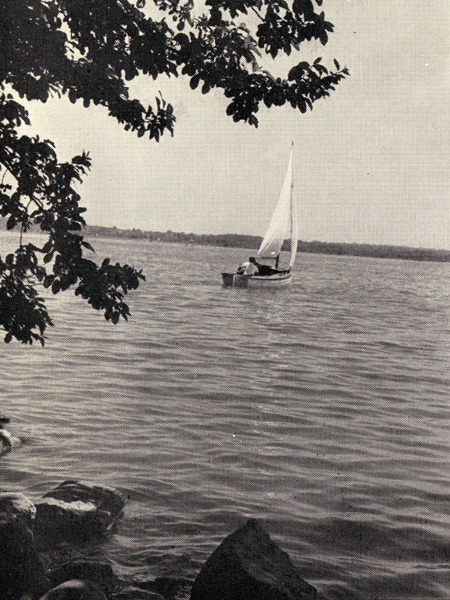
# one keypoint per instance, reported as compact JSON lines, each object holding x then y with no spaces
{"x":39,"y":558}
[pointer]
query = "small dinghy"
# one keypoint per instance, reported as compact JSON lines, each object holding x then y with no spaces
{"x":283,"y":225}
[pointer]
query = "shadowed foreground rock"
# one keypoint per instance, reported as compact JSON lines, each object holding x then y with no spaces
{"x":17,"y":507}
{"x":21,"y":571}
{"x":75,"y":590}
{"x":249,"y":566}
{"x":98,"y":572}
{"x":77,"y":510}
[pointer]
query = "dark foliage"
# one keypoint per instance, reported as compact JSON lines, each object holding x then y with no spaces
{"x":89,"y":51}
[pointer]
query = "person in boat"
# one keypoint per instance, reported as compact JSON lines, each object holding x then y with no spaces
{"x":252,"y":267}
{"x":249,"y":267}
{"x":265,"y":269}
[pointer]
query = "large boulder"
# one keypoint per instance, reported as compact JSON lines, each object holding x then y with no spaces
{"x":75,"y":590}
{"x":77,"y":510}
{"x":99,"y":572}
{"x":248,"y":565}
{"x":21,"y":571}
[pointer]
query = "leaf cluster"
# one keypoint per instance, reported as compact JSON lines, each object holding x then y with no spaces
{"x":44,"y":195}
{"x":91,"y":50}
{"x":216,"y":53}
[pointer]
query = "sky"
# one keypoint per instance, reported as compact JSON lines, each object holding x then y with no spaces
{"x":371,"y":163}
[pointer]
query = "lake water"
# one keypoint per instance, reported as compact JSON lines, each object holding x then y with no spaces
{"x":322,"y":410}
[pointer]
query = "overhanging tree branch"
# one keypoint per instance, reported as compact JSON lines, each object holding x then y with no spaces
{"x":89,"y":51}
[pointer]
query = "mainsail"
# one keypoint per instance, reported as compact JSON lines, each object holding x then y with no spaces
{"x":283,"y":223}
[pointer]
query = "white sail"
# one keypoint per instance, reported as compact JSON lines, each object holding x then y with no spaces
{"x":282,"y":225}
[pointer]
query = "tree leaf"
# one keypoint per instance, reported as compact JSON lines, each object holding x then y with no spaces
{"x":11,"y":223}
{"x":194,"y":82}
{"x":56,"y":286}
{"x":48,"y":281}
{"x":47,"y":246}
{"x":88,"y":246}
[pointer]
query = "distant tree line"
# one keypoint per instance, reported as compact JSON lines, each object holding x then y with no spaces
{"x":252,"y":242}
{"x":375,"y":251}
{"x":226,"y":240}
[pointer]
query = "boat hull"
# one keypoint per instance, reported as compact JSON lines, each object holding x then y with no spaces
{"x":275,"y":281}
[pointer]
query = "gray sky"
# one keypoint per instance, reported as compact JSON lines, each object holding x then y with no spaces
{"x":371,"y":162}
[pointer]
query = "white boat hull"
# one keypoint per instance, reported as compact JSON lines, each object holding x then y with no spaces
{"x":275,"y":281}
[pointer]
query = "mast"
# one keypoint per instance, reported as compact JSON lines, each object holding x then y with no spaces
{"x":293,"y":217}
{"x":291,"y":192}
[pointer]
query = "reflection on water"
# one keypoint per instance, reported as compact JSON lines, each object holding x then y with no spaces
{"x":321,"y":409}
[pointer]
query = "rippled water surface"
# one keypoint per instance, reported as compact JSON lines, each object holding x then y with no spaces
{"x":322,"y":410}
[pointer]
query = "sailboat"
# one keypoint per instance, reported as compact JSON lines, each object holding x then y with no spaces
{"x":283,"y":225}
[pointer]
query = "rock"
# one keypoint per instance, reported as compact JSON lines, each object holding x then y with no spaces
{"x":7,"y":441}
{"x":75,"y":590}
{"x":248,"y":565}
{"x":21,"y":571}
{"x":135,"y":593}
{"x":78,"y":510}
{"x":168,"y":587}
{"x":18,"y":507}
{"x":99,"y":572}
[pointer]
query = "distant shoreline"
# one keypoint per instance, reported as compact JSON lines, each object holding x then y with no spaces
{"x":253,"y":242}
{"x":250,"y":242}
